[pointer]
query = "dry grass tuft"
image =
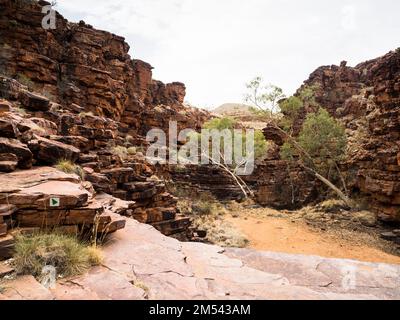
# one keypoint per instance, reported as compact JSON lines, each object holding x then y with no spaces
{"x":65,"y":253}
{"x":70,"y":167}
{"x":332,"y":205}
{"x":208,"y":215}
{"x":120,"y":151}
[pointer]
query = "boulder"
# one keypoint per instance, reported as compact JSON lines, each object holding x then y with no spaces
{"x":19,"y":180}
{"x":7,"y":210}
{"x":8,"y":128}
{"x":34,"y":102}
{"x":390,"y":236}
{"x":3,"y":229}
{"x":100,"y":182}
{"x":49,"y":151}
{"x":10,"y":88}
{"x":47,"y":126}
{"x":8,"y":162}
{"x":12,"y":146}
{"x":274,"y":134}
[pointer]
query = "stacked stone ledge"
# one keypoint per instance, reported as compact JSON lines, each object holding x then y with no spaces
{"x":31,"y":142}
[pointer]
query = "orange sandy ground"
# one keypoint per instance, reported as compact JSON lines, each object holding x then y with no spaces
{"x":282,"y":235}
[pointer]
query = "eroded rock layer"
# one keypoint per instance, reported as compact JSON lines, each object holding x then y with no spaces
{"x":73,"y":93}
{"x":366,"y":99}
{"x":77,"y":65}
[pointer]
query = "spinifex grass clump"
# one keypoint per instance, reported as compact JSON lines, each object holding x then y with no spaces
{"x":65,"y":253}
{"x":70,"y":167}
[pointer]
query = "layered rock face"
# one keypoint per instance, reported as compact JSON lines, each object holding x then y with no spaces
{"x":76,"y":64}
{"x":206,"y":178}
{"x":366,"y":99}
{"x":74,"y":93}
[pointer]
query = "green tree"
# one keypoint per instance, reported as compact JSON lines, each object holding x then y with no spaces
{"x":227,"y":123}
{"x":321,"y":143}
{"x":264,"y":98}
{"x":260,"y":149}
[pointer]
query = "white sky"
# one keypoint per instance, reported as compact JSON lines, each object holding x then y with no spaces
{"x":216,"y":46}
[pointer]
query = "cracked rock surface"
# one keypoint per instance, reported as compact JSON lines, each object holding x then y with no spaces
{"x":141,"y":263}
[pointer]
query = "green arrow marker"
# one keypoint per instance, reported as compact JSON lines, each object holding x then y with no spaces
{"x":54,"y":202}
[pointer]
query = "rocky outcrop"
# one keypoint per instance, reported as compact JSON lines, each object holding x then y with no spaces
{"x":79,"y":96}
{"x":77,"y":65}
{"x":206,"y":179}
{"x":45,"y":198}
{"x":124,"y":176}
{"x":366,"y":100}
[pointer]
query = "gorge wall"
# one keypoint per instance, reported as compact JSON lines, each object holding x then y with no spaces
{"x":366,"y":100}
{"x":76,"y":64}
{"x":80,"y":69}
{"x":75,"y":94}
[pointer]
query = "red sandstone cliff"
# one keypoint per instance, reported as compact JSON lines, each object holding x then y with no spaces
{"x":77,"y":64}
{"x":366,"y":99}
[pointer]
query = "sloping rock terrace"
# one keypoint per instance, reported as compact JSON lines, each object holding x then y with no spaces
{"x":140,"y":263}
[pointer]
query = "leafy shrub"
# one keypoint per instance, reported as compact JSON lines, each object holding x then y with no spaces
{"x":65,"y":253}
{"x":290,"y":107}
{"x":220,"y":124}
{"x":203,"y":207}
{"x":227,"y":123}
{"x":332,"y":205}
{"x":322,"y":138}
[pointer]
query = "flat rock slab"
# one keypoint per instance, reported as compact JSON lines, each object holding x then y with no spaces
{"x":67,"y":195}
{"x":5,"y":270}
{"x":141,"y":263}
{"x":19,"y":180}
{"x":99,"y":284}
{"x":33,"y":189}
{"x":24,"y":288}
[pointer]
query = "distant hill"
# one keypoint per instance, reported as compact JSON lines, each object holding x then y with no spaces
{"x":233,"y":109}
{"x":242,"y":113}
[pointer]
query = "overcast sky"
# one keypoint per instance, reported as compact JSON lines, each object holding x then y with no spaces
{"x":216,"y":46}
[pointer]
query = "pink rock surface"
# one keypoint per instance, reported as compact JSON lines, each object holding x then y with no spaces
{"x":141,"y":263}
